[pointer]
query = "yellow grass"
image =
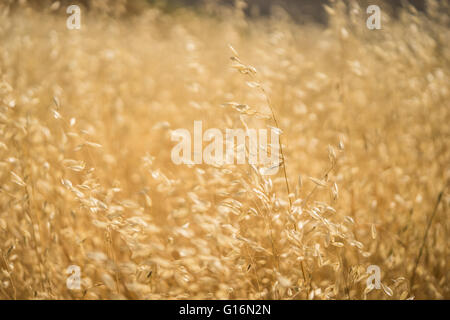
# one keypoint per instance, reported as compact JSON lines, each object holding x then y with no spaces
{"x":86,"y":176}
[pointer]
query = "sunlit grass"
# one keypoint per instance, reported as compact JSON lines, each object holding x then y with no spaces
{"x":86,"y":176}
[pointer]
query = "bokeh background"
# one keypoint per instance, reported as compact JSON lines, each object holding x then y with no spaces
{"x":86,"y":123}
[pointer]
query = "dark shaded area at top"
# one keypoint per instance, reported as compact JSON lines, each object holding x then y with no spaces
{"x":299,"y":10}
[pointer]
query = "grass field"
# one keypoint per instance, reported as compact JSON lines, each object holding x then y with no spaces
{"x":87,"y":180}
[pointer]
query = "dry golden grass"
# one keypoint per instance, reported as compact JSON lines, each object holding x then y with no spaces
{"x":86,"y":176}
